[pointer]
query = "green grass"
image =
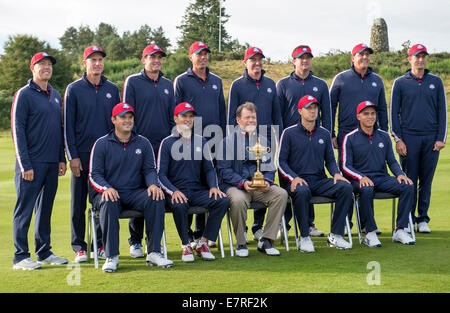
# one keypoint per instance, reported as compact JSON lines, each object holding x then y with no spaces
{"x":424,"y":267}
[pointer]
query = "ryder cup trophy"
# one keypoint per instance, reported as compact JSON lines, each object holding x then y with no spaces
{"x":258,"y":177}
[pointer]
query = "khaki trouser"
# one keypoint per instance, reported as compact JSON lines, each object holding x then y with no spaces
{"x":275,"y":199}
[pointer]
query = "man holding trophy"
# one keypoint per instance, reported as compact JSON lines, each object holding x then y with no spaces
{"x":247,"y":174}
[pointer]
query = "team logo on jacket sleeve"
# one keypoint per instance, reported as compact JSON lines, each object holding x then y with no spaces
{"x":432,"y":86}
{"x":321,"y":141}
{"x":214,"y":87}
{"x":56,"y":100}
{"x":108,"y":95}
{"x":374,"y":84}
{"x":166,"y":91}
{"x":315,"y":89}
{"x":381,"y":145}
{"x":269,"y":90}
{"x":138,"y":151}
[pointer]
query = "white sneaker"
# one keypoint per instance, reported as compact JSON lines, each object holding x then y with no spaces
{"x":212,"y":244}
{"x":422,"y":227}
{"x":53,"y":260}
{"x":136,"y":251}
{"x":111,"y":264}
{"x":266,"y":246}
{"x":194,"y":243}
{"x":306,"y":245}
{"x":338,"y":241}
{"x":400,"y":235}
{"x":242,"y":251}
{"x":100,"y":253}
{"x":80,"y":256}
{"x":27,"y":264}
{"x":371,"y":239}
{"x":186,"y":255}
{"x":157,"y":259}
{"x":258,"y":234}
{"x":314,"y":232}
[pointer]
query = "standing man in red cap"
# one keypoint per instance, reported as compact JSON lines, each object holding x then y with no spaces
{"x":253,"y":86}
{"x":351,"y":87}
{"x":418,"y":114}
{"x":37,"y":134}
{"x":304,"y":149}
{"x":152,"y":97}
{"x":365,"y":152}
{"x":204,"y":90}
{"x":290,"y":89}
{"x":88,"y":103}
{"x":123,"y":173}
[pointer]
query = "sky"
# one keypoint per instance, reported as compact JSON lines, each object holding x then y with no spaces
{"x":275,"y":26}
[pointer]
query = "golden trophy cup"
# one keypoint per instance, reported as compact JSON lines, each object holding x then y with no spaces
{"x":258,"y":177}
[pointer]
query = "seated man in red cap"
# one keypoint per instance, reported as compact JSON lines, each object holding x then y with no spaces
{"x":123,"y":174}
{"x":365,"y":152}
{"x":184,"y":162}
{"x":304,"y":149}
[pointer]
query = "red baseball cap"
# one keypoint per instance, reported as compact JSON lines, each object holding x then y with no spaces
{"x":416,"y":49}
{"x":39,"y":56}
{"x":364,"y":105}
{"x":152,"y":49}
{"x":197,"y":47}
{"x":306,"y":101}
{"x":91,"y":50}
{"x":121,"y":108}
{"x":183,"y":108}
{"x":251,"y":52}
{"x":360,"y":48}
{"x":301,"y":51}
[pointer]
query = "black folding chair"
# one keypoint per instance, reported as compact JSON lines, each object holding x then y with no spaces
{"x":194,"y":210}
{"x":255,"y":206}
{"x":319,"y":200}
{"x":383,"y":196}
{"x":92,"y":234}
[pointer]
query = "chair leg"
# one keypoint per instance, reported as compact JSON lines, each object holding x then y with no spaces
{"x":358,"y":219}
{"x":164,"y":243}
{"x":94,"y":235}
{"x":230,"y":235}
{"x":285,"y":233}
{"x":89,"y":237}
{"x":393,"y":215}
{"x":347,"y":222}
{"x":222,"y":252}
{"x":294,"y":218}
{"x":411,"y":227}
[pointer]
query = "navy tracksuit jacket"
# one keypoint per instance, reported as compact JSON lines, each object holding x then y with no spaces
{"x":349,"y":89}
{"x":232,"y":155}
{"x":129,"y":168}
{"x":87,"y":110}
{"x":153,"y":103}
{"x":186,"y":165}
{"x":205,"y":96}
{"x":367,"y":155}
{"x":292,"y":88}
{"x":36,"y":127}
{"x":303,"y":154}
{"x":418,"y":116}
{"x":263,"y":94}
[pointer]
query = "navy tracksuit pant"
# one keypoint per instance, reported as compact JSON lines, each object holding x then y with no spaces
{"x":79,"y":187}
{"x":420,"y":164}
{"x":322,"y":186}
{"x":217,"y":209}
{"x":389,"y":184}
{"x":285,"y":184}
{"x":37,"y":195}
{"x":136,"y":200}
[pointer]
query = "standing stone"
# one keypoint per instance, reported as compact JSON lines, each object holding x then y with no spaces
{"x":379,"y":41}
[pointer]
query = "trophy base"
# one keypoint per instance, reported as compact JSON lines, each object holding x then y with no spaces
{"x":258,"y":181}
